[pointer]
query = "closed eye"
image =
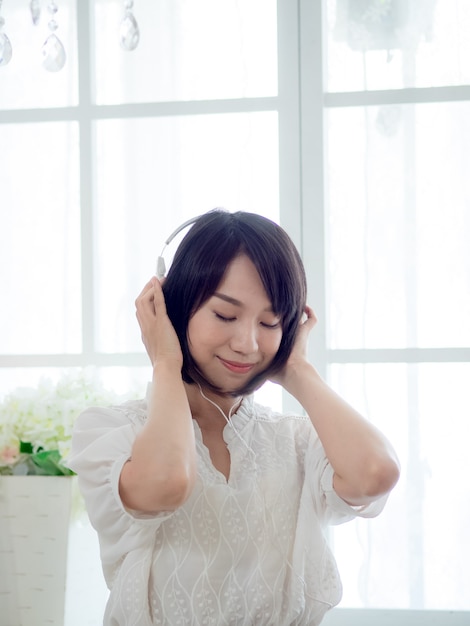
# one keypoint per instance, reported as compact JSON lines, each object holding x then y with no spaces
{"x":222,"y":318}
{"x":275,"y":325}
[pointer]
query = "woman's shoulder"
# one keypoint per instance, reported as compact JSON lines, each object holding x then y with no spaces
{"x":130,"y":412}
{"x":288,"y":424}
{"x":264,"y":413}
{"x":105,"y":432}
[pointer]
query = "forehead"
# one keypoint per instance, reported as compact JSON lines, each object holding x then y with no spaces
{"x":241,"y":282}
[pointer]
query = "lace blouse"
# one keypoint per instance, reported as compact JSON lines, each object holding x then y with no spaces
{"x":245,"y":551}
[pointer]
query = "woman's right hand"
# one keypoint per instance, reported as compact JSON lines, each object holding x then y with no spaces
{"x":158,"y":335}
{"x":161,"y":471}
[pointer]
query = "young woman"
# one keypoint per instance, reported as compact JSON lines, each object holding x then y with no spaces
{"x":210,"y":508}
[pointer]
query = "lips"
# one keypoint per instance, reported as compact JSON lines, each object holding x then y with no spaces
{"x":237,"y":368}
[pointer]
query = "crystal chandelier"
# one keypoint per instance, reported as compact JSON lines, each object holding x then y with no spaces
{"x":53,"y":51}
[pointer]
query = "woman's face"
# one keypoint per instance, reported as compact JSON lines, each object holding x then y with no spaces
{"x":235,"y":334}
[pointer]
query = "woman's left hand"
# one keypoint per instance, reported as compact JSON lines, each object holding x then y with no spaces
{"x":365,"y":465}
{"x":298,"y":356}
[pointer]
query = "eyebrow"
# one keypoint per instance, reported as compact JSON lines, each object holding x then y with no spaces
{"x":234,"y":301}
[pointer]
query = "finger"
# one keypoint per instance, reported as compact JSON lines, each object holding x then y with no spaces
{"x":148,"y":287}
{"x":157,"y":293}
{"x":151,"y":292}
{"x":311,"y":317}
{"x":145,"y":301}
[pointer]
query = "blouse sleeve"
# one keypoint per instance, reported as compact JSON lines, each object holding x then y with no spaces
{"x":101,"y":444}
{"x":330,"y":506}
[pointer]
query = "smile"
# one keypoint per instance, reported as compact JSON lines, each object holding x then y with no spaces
{"x":237,"y":368}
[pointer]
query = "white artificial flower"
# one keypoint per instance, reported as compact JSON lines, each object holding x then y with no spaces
{"x":44,"y":416}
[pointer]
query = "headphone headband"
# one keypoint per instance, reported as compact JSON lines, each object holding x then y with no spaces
{"x":161,"y":269}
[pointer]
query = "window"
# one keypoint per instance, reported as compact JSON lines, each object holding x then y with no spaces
{"x":347,"y":122}
{"x":397,"y":295}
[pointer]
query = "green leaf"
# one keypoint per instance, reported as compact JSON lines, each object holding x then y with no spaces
{"x":48,"y":463}
{"x":26,"y":447}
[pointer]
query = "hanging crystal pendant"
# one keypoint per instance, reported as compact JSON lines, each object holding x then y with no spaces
{"x":35,"y":8}
{"x":129,"y":33}
{"x":6,"y":50}
{"x":53,"y":52}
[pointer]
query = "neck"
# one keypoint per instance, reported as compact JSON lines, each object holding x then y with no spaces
{"x":209,"y":409}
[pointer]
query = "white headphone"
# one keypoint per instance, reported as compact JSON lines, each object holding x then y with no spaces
{"x":161,"y":269}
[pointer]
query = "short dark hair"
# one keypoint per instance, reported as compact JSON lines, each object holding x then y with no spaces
{"x":199,"y":266}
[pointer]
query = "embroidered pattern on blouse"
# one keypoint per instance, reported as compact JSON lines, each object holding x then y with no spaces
{"x":249,"y":551}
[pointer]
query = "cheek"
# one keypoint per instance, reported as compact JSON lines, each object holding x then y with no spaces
{"x":197,"y":324}
{"x":201,"y":333}
{"x":273,"y":341}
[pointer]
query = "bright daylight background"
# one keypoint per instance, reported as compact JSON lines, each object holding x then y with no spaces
{"x":346,"y":121}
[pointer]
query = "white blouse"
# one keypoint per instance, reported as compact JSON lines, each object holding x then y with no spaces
{"x":249,"y":551}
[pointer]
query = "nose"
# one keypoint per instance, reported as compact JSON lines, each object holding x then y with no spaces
{"x":245,"y":338}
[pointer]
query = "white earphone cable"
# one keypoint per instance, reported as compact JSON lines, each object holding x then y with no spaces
{"x":229,"y":421}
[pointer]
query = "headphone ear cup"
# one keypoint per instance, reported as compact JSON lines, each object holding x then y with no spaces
{"x":161,"y":269}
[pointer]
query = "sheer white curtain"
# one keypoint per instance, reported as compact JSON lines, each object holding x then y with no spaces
{"x":398,"y":280}
{"x":101,"y":161}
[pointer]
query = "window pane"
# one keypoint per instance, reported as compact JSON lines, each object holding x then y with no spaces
{"x":424,"y":410}
{"x":24,"y":81}
{"x":399,"y":226}
{"x":84,"y":574}
{"x":192,"y":50}
{"x":128,"y":381}
{"x":12,"y":378}
{"x":394,"y":44}
{"x":40,"y":239}
{"x":153,"y":174}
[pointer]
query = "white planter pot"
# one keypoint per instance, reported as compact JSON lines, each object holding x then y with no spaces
{"x":34,"y":527}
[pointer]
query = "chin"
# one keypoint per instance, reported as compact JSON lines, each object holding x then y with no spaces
{"x":250,"y":386}
{"x":237,"y":387}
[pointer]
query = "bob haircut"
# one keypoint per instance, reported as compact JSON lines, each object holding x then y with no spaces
{"x":199,"y":266}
